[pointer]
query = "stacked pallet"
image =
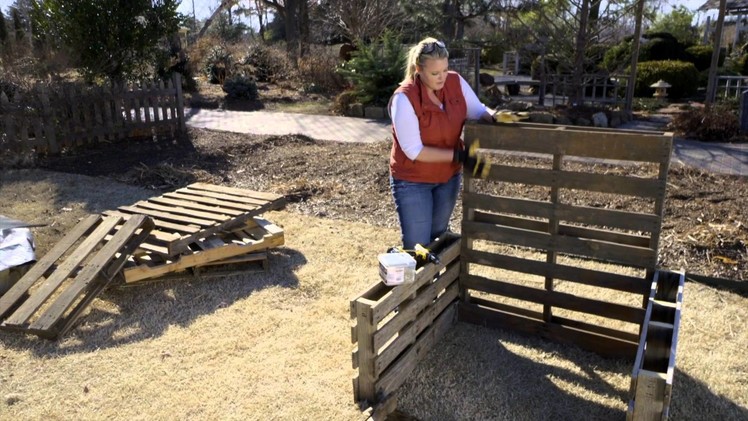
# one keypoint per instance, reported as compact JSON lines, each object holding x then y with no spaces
{"x":202,"y":226}
{"x":176,"y":234}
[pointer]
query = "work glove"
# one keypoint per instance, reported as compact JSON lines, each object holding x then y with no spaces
{"x":506,"y":116}
{"x":476,"y":164}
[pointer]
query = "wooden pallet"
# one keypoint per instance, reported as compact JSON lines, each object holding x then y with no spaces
{"x":239,"y":245}
{"x":48,"y":299}
{"x":652,"y":378}
{"x":197,"y":211}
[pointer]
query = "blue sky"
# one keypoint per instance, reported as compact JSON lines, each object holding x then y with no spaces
{"x":203,"y":8}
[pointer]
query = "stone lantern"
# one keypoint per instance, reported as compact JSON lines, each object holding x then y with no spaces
{"x":660,"y":88}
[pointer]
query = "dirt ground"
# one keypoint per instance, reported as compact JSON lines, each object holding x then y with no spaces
{"x":705,"y":230}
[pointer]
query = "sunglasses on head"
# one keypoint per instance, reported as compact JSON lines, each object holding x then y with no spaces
{"x":431,"y":46}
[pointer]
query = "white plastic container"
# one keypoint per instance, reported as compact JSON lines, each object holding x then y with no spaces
{"x":397,"y":268}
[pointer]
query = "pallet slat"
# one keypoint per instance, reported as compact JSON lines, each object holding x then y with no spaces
{"x":565,"y":212}
{"x":573,"y":141}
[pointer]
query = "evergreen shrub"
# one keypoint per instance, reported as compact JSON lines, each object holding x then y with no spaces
{"x":376,"y":69}
{"x":682,"y":75}
{"x":239,"y":86}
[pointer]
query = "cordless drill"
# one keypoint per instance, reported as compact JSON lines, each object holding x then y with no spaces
{"x":419,"y":252}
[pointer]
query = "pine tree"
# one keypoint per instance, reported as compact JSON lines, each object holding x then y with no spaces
{"x":376,"y":69}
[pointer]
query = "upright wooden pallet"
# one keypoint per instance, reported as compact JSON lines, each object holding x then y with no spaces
{"x":239,"y":245}
{"x":48,"y":299}
{"x":196,"y":212}
{"x":563,"y":229}
{"x":652,"y":377}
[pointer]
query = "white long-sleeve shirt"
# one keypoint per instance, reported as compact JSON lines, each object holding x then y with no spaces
{"x":405,"y":121}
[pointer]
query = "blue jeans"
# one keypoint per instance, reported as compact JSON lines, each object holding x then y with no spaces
{"x":424,"y":209}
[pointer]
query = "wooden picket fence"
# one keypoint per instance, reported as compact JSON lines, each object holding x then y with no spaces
{"x":49,"y":121}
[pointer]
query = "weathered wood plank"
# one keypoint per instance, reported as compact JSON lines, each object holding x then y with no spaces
{"x":650,"y":390}
{"x":167,"y":216}
{"x":180,"y":194}
{"x":561,"y":321}
{"x":163,"y":226}
{"x":176,"y":210}
{"x":598,"y":250}
{"x":244,"y":193}
{"x":600,"y":344}
{"x":573,"y":141}
{"x":556,"y":299}
{"x":602,"y":183}
{"x":564,"y":229}
{"x":574,"y":274}
{"x":187,"y":204}
{"x":366,"y":352}
{"x":565,"y":212}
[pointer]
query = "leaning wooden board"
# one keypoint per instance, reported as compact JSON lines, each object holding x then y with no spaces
{"x":48,"y":299}
{"x":197,"y":211}
{"x":221,"y":248}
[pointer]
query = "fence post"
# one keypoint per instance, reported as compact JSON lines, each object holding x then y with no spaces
{"x":744,"y":111}
{"x":10,"y":132}
{"x":48,"y":122}
{"x":180,"y":102}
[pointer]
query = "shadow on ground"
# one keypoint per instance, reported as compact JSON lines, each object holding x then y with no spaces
{"x":137,"y":313}
{"x":169,"y":161}
{"x":479,"y":373}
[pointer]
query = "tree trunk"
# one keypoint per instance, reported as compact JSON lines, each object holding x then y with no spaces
{"x":448,"y":27}
{"x":711,"y":88}
{"x":634,"y":55}
{"x":292,"y":28}
{"x":581,"y":46}
{"x":260,"y":18}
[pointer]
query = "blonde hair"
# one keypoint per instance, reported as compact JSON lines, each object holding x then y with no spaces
{"x":416,"y":57}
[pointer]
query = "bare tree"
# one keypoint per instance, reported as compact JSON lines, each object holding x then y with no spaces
{"x":635,"y":55}
{"x":360,"y":20}
{"x":458,"y":13}
{"x":224,"y":5}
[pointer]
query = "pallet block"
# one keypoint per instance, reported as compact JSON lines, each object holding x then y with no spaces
{"x":196,"y":212}
{"x":652,"y":376}
{"x":237,"y":246}
{"x":48,"y":299}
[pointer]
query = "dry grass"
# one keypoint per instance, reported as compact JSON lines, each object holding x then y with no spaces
{"x":276,"y":345}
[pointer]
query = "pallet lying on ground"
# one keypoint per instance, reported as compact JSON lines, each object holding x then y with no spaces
{"x":652,"y":377}
{"x":48,"y":299}
{"x":195,"y":212}
{"x":237,"y":246}
{"x":397,"y":326}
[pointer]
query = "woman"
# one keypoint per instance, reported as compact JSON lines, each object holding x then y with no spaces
{"x":428,"y":112}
